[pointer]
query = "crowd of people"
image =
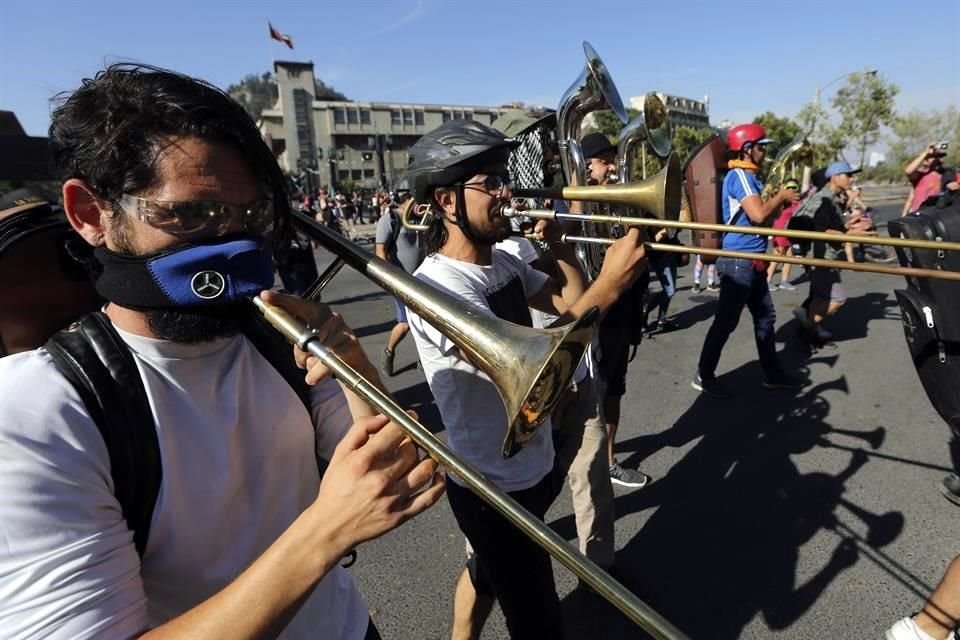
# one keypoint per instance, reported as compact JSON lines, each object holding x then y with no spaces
{"x":261,"y":503}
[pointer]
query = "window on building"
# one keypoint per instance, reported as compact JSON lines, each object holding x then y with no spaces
{"x":458,"y":115}
{"x":320,"y":153}
{"x":344,"y":174}
{"x":408,"y":117}
{"x":418,"y":118}
{"x":395,"y":117}
{"x":368,"y":173}
{"x":352,"y":116}
{"x":356,"y":174}
{"x":338,"y":116}
{"x":364,"y":116}
{"x":468,"y":116}
{"x":447,"y":117}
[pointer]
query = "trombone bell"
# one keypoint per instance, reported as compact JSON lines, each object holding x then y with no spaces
{"x":659,"y":195}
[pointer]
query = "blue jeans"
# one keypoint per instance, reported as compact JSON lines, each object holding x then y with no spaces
{"x":741,"y":286}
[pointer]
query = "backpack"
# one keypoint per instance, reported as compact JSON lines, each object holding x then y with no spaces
{"x":46,"y":267}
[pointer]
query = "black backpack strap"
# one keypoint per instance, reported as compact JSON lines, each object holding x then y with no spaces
{"x":98,"y":364}
{"x":279,"y":353}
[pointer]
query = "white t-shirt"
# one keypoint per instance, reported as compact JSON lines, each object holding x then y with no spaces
{"x":469,"y":403}
{"x":525,"y":251}
{"x":238,"y":467}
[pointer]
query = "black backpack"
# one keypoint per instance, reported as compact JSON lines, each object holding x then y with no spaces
{"x":96,"y":361}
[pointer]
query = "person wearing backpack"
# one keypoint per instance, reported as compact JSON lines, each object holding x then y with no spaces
{"x":401,"y":247}
{"x":171,"y":181}
{"x":743,"y":283}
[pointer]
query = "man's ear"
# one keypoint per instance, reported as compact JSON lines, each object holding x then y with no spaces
{"x":446,"y":199}
{"x":86,"y":212}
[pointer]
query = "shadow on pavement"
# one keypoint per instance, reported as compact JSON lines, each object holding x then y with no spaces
{"x":373,"y":295}
{"x":852,"y":320}
{"x":372,"y":329}
{"x":723,"y":545}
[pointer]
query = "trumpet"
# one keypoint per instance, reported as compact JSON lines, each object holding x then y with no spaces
{"x":513,"y":357}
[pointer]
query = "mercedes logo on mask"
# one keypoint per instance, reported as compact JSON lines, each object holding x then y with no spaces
{"x":208,"y":285}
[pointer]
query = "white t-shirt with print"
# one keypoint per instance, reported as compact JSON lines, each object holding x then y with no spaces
{"x":469,"y":403}
{"x":525,"y":251}
{"x":237,"y":450}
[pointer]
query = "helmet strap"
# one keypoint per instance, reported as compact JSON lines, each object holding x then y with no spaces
{"x":461,"y":216}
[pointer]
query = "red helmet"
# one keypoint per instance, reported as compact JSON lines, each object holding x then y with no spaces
{"x":746,"y":134}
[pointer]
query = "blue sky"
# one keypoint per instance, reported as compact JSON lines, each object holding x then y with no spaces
{"x":748,"y":56}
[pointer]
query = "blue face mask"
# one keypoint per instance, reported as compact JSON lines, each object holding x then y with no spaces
{"x":224,"y":270}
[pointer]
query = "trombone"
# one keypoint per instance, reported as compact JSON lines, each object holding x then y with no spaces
{"x":660,"y":195}
{"x":539,"y":362}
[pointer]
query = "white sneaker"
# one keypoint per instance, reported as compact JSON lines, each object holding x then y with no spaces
{"x":907,"y":629}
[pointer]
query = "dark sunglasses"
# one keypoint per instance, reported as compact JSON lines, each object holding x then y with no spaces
{"x":491,"y":183}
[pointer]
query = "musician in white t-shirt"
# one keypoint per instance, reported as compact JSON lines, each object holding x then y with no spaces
{"x":460,"y":170}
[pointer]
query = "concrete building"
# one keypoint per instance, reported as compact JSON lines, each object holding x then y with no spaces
{"x":683,"y":112}
{"x":364,"y":142}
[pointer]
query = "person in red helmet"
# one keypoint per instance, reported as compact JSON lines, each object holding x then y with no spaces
{"x":743,"y":282}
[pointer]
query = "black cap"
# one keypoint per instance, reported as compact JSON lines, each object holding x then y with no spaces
{"x":594,"y":144}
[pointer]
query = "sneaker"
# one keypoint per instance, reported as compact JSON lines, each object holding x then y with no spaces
{"x":696,"y":288}
{"x":713,"y":287}
{"x":783,"y":381}
{"x":950,"y":488}
{"x":710,"y":386}
{"x":386,"y":362}
{"x":907,"y":629}
{"x":786,"y":286}
{"x":665,"y":324}
{"x":772,"y":287}
{"x":624,"y":477}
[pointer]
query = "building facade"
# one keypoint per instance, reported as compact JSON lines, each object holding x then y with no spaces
{"x":362,"y":142}
{"x":683,"y":112}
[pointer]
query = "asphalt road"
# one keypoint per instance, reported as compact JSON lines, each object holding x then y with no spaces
{"x":793,"y":515}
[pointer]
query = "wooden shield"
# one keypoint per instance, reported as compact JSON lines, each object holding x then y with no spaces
{"x":703,"y":177}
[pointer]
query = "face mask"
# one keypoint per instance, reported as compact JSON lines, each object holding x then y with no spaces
{"x":225,"y":270}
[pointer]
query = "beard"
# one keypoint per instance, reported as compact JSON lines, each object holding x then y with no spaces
{"x":197,"y":325}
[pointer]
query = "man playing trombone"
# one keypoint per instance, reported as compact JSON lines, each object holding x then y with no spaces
{"x":170,"y":180}
{"x":743,"y":283}
{"x":459,"y":169}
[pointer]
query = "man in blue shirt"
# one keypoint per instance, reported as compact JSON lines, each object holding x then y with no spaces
{"x":743,"y":282}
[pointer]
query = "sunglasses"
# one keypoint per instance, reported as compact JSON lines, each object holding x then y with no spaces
{"x":491,"y":183}
{"x":186,"y":219}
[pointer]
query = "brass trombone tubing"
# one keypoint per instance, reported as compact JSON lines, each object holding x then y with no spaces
{"x":638,"y":611}
{"x":766,"y":257}
{"x":933,"y":245}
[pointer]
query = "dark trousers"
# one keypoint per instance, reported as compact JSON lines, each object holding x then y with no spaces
{"x":518,"y":571}
{"x":741,"y":285}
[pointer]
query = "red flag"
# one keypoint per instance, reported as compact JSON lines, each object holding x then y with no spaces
{"x":276,"y":35}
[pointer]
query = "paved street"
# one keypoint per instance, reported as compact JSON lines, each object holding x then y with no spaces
{"x":805,"y":515}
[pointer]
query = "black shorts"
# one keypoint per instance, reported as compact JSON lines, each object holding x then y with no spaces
{"x":617,"y":329}
{"x":509,"y":565}
{"x":825,"y":285}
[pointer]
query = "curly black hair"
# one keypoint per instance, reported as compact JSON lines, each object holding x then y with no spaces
{"x":110,"y":132}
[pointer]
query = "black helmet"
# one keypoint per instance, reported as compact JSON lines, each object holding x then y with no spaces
{"x":453,"y":151}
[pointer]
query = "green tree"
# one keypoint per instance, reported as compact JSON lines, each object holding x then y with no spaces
{"x":780,"y":130}
{"x":827,"y":144}
{"x":912,"y":131}
{"x":865,"y":104}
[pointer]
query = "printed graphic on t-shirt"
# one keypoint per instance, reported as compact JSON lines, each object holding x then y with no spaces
{"x":509,"y":301}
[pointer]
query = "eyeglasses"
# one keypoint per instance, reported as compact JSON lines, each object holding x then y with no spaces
{"x":183,"y":219}
{"x":491,"y":183}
